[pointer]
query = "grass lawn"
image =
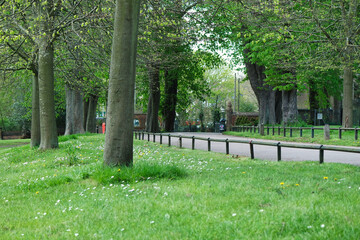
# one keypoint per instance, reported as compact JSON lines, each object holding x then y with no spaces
{"x":172,"y":193}
{"x":347,"y":137}
{"x":13,"y":143}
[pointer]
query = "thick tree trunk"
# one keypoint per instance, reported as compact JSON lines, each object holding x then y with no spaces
{"x":169,"y":107}
{"x":120,"y":113}
{"x":289,"y":106}
{"x":264,"y":93}
{"x":74,"y":111}
{"x":35,"y":116}
{"x":347,"y":119}
{"x":152,"y":117}
{"x":91,"y":114}
{"x":48,"y":130}
{"x":337,"y":111}
{"x":85,"y":113}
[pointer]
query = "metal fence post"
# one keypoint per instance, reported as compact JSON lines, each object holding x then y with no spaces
{"x":278,"y":151}
{"x":356,"y":134}
{"x":143,"y":135}
{"x":291,"y":130}
{"x":209,"y":145}
{"x":153,"y":137}
{"x":169,"y":140}
{"x":279,"y":131}
{"x":180,"y":141}
{"x":251,"y":150}
{"x":267,"y":130}
{"x":227,"y":146}
{"x":148,"y":134}
{"x":273,"y":130}
{"x":160,"y":138}
{"x":193,"y":142}
{"x":312,"y":132}
{"x":284,"y":131}
{"x":339,"y":132}
{"x":321,"y":155}
{"x":301,"y":132}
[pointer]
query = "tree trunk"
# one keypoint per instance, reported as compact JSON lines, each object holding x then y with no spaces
{"x":289,"y":106}
{"x":48,"y":130}
{"x":169,"y":107}
{"x":85,"y":113}
{"x":152,"y":117}
{"x":278,"y":106}
{"x":347,"y":119}
{"x":35,"y":116}
{"x":264,"y":93}
{"x":120,"y":113}
{"x":91,"y":114}
{"x":337,"y":111}
{"x":74,"y":111}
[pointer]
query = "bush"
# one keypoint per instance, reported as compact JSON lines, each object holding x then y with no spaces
{"x":246,"y":121}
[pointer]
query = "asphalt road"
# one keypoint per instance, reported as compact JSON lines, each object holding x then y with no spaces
{"x":260,"y":151}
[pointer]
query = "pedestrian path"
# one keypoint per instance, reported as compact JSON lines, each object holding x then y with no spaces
{"x":261,"y":151}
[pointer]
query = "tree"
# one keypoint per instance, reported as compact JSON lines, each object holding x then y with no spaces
{"x":119,"y":135}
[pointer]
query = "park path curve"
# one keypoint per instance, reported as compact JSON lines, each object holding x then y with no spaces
{"x":261,"y":151}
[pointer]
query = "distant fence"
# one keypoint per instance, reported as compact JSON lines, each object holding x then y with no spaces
{"x":143,"y":135}
{"x":288,"y":131}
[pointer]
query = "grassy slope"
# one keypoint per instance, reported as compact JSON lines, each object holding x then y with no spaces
{"x":220,"y":197}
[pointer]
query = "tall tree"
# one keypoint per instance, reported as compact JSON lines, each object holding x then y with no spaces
{"x":119,"y":135}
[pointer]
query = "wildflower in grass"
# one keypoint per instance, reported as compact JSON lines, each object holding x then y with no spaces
{"x":151,"y":222}
{"x":309,"y":227}
{"x":261,"y":210}
{"x":322,"y":225}
{"x":335,"y":179}
{"x":297,"y":184}
{"x":282,"y":183}
{"x":243,"y":172}
{"x":234,"y":214}
{"x":119,"y":170}
{"x":37,"y":192}
{"x":325,"y":178}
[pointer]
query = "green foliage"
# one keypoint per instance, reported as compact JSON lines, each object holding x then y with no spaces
{"x":71,"y":156}
{"x":66,"y":138}
{"x":141,"y":171}
{"x":246,"y":121}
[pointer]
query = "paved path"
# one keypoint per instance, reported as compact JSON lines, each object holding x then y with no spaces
{"x":261,"y":151}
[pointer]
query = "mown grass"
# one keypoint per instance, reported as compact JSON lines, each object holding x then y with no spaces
{"x":172,"y":193}
{"x":13,"y":142}
{"x":347,"y":137}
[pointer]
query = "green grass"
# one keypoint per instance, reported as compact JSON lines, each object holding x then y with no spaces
{"x":172,"y":193}
{"x":13,"y":142}
{"x":347,"y":138}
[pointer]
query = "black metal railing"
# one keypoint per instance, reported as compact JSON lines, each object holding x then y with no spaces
{"x":141,"y":135}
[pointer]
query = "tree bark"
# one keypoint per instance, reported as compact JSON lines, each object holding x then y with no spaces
{"x":264,"y":93}
{"x":85,"y":113}
{"x":170,"y":99}
{"x":91,"y":114}
{"x":347,"y":119}
{"x":289,"y":106}
{"x":74,"y":111}
{"x":152,"y":117}
{"x":120,"y":113}
{"x":48,"y":130}
{"x":35,"y":113}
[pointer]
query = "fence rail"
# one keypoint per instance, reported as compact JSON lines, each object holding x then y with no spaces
{"x":141,"y":136}
{"x":272,"y":130}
